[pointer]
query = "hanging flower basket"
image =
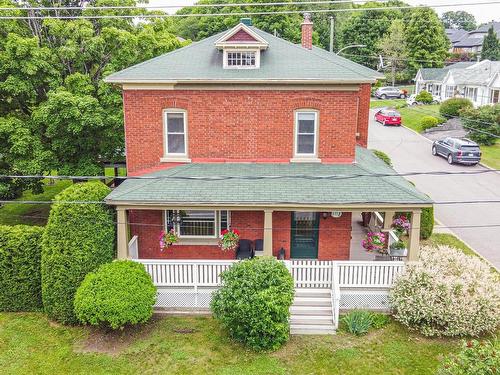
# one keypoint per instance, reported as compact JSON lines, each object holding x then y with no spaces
{"x":374,"y":241}
{"x":167,"y":239}
{"x":401,"y":225}
{"x":229,"y":239}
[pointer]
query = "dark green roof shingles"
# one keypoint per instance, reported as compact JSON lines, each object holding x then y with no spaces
{"x":191,"y":184}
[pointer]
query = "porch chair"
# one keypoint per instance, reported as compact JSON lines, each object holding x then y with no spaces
{"x":258,"y":245}
{"x":244,"y":250}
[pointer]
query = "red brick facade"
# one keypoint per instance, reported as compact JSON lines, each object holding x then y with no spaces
{"x":243,"y":125}
{"x":333,"y":243}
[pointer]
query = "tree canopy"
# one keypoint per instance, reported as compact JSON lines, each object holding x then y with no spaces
{"x":56,"y":113}
{"x":491,"y":46}
{"x":458,"y":20}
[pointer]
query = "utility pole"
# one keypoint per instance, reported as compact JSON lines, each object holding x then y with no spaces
{"x":332,"y":24}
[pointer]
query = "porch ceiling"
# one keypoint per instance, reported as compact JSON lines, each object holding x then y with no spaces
{"x":273,"y":184}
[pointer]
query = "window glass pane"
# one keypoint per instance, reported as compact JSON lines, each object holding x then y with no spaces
{"x":197,"y":223}
{"x":175,"y":122}
{"x":306,"y":123}
{"x":224,"y":220}
{"x":176,"y":144}
{"x":305,"y":144}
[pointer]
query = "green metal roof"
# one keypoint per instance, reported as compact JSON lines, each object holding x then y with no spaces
{"x":272,"y":183}
{"x":282,"y":61}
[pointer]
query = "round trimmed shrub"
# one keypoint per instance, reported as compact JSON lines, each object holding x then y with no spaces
{"x":452,"y":107}
{"x":428,"y":122}
{"x":447,"y":294}
{"x":424,"y":97}
{"x":118,"y":294}
{"x":426,"y":222}
{"x":78,"y":238}
{"x":254,"y":301}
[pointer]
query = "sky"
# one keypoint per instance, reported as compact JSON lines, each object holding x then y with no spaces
{"x":483,"y":13}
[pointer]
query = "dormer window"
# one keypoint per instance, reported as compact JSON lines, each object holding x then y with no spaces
{"x":241,"y":47}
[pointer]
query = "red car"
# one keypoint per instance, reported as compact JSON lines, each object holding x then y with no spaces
{"x":388,"y":117}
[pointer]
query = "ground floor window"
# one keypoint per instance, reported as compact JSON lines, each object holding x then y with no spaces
{"x":197,"y":223}
{"x":495,"y":96}
{"x":450,"y":91}
{"x":471,"y":93}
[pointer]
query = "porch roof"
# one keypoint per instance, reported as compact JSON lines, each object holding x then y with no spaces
{"x":272,"y":184}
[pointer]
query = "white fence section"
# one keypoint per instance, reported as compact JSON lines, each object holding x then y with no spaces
{"x":188,"y":284}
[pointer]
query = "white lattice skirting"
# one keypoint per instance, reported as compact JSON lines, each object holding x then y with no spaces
{"x":179,"y":298}
{"x":364,"y":299}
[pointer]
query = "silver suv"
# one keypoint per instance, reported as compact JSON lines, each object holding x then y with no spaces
{"x":389,"y":92}
{"x":457,"y":150}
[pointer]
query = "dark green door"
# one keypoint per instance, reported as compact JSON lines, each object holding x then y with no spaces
{"x":304,"y":243}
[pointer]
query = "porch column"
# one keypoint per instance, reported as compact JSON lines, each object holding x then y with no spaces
{"x":268,"y":232}
{"x":414,"y":238}
{"x":388,"y":217}
{"x":122,"y":235}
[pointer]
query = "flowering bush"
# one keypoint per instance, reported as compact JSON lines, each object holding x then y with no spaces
{"x":229,"y":239}
{"x":401,"y":224}
{"x":374,"y":241}
{"x":168,"y":238}
{"x":447,"y":294}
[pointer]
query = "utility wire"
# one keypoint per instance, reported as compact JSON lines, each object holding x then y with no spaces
{"x":263,"y":13}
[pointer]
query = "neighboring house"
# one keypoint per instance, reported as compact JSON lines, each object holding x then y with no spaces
{"x":249,"y":131}
{"x":478,"y":81}
{"x":472,"y":41}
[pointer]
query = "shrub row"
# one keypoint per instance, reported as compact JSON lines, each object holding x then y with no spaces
{"x":452,"y":107}
{"x":20,"y":280}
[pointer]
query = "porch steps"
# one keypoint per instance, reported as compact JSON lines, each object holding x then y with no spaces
{"x":311,"y":312}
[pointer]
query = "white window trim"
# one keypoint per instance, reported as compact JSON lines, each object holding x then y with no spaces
{"x":198,"y":240}
{"x":175,"y":157}
{"x":257,"y":58}
{"x":305,"y":158}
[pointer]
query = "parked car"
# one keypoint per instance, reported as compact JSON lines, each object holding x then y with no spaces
{"x":411,"y":100}
{"x":387,"y":116}
{"x":457,"y":150}
{"x":389,"y":92}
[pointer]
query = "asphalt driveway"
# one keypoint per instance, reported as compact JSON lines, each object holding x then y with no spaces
{"x":411,"y":152}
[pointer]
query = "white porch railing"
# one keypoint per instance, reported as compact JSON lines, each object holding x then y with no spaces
{"x":311,"y":273}
{"x":354,"y":274}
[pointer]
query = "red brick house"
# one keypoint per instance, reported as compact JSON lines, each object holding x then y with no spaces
{"x":246,"y":130}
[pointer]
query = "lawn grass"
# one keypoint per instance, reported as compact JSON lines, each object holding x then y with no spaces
{"x":447,"y":239}
{"x":380,"y":103}
{"x":29,"y":343}
{"x":31,"y":214}
{"x":412,"y":116}
{"x":491,"y":155}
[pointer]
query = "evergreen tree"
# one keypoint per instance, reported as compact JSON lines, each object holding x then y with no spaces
{"x":426,"y":40}
{"x":491,"y":46}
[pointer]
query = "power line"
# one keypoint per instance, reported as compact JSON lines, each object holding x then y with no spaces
{"x":254,"y":177}
{"x":263,"y":13}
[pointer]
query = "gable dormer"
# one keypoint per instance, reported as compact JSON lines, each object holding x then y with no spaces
{"x":241,"y":47}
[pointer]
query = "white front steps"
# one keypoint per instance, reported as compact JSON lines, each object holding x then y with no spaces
{"x":311,"y":312}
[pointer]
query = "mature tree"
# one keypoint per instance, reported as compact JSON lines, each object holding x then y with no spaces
{"x":426,"y":39}
{"x":52,"y":96}
{"x":366,"y":28}
{"x":393,"y":47}
{"x":458,"y":20}
{"x":491,"y":46}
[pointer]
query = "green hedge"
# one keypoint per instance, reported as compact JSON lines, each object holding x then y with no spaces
{"x":452,"y":107}
{"x":424,"y":97}
{"x":118,"y":294}
{"x":78,"y":238}
{"x":428,"y":122}
{"x":426,"y":222}
{"x":254,"y":301}
{"x":383,"y":156}
{"x":20,"y":280}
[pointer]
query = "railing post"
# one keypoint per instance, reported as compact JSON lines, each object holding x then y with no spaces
{"x":196,"y":270}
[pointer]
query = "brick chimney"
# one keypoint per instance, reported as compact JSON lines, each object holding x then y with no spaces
{"x":307,"y":31}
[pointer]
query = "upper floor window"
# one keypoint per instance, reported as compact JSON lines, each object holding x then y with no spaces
{"x":241,"y":59}
{"x":175,"y":132}
{"x":306,"y":129}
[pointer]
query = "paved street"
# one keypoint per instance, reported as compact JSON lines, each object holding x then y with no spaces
{"x":411,"y":152}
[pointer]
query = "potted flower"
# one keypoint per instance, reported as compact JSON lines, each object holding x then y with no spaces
{"x":168,"y":238}
{"x":374,"y":241}
{"x":401,"y":225}
{"x":398,"y":249}
{"x":229,"y":239}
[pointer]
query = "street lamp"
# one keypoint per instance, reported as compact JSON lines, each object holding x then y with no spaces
{"x":351,"y":46}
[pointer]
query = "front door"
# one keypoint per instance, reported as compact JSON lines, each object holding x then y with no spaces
{"x":304,"y":242}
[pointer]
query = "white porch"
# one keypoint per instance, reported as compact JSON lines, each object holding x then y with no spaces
{"x":323,"y":288}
